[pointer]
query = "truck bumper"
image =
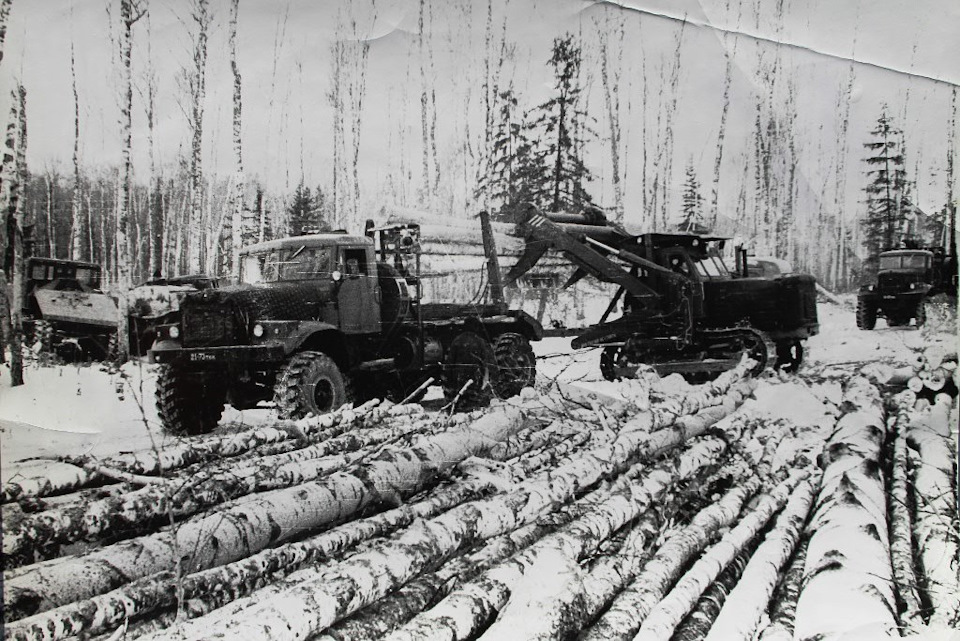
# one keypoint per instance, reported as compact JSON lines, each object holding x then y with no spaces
{"x":199,"y":356}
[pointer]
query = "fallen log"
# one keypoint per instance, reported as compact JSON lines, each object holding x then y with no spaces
{"x":255,"y":522}
{"x":901,"y":525}
{"x":466,"y":610}
{"x":63,"y":478}
{"x":929,"y":436}
{"x":848,"y":584}
{"x":784,"y":608}
{"x":671,"y":610}
{"x":746,"y":603}
{"x":623,"y":618}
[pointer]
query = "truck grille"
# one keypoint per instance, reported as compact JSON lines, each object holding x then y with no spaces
{"x":204,"y":327}
{"x":896,"y":281}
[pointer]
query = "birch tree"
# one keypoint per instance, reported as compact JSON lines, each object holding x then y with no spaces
{"x":196,"y":82}
{"x":13,"y":177}
{"x":130,"y":12}
{"x":76,"y":212}
{"x":238,"y":183}
{"x":610,"y":74}
{"x":5,"y":6}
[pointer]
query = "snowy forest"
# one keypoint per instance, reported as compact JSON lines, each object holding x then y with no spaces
{"x":162,"y":136}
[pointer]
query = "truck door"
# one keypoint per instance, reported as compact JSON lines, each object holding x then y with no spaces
{"x":358,"y":297}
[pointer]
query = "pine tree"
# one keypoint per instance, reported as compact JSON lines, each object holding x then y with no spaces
{"x":887,"y":192}
{"x":562,"y":124}
{"x":692,"y":220}
{"x":302,"y":212}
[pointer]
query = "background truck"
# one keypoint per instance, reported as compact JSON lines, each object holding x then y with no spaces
{"x":65,"y":311}
{"x":321,"y":320}
{"x":906,"y":278}
{"x":683,"y":310}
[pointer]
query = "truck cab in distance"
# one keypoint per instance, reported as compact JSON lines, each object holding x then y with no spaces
{"x":905,"y":279}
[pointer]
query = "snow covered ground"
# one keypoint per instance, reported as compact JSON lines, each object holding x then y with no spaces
{"x":87,"y":409}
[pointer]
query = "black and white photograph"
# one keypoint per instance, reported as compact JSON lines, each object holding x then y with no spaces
{"x":450,"y":320}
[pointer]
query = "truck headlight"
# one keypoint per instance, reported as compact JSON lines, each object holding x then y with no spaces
{"x":913,"y":285}
{"x":870,"y":288}
{"x":258,"y":330}
{"x":173,"y":332}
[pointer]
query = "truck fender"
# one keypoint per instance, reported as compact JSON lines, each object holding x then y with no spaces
{"x":306,"y":332}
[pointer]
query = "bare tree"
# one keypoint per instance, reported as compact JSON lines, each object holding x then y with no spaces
{"x":610,"y":76}
{"x":12,"y":181}
{"x":238,"y":183}
{"x":197,"y":86}
{"x":130,"y":12}
{"x":4,"y":16}
{"x":76,"y":210}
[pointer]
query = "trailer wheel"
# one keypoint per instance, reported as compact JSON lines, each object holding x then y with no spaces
{"x":517,"y":364}
{"x":470,"y":357}
{"x":866,"y":315}
{"x":789,"y":356}
{"x":189,"y":402}
{"x":311,"y":383}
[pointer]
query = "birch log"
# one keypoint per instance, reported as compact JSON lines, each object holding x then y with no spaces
{"x":321,"y":598}
{"x":253,"y":524}
{"x":628,"y":610}
{"x":848,"y":579}
{"x":466,"y":610}
{"x":901,"y":526}
{"x":669,"y":612}
{"x":746,"y":603}
{"x":209,"y":589}
{"x":783,"y":610}
{"x":936,"y":499}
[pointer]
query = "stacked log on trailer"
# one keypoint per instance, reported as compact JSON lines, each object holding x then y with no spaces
{"x":688,"y":514}
{"x":453,"y":265}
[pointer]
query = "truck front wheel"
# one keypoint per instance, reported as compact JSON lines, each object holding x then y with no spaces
{"x":469,"y":358}
{"x":189,"y":402}
{"x":311,"y":383}
{"x":866,"y":314}
{"x":517,"y":364}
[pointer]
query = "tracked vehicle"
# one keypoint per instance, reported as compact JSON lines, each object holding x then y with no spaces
{"x":321,"y":320}
{"x":682,"y":309}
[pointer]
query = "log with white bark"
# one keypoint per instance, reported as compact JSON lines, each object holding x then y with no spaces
{"x":929,"y":436}
{"x":625,"y":615}
{"x":138,"y":512}
{"x":901,"y":525}
{"x":467,"y":609}
{"x":56,"y":478}
{"x":212,"y":588}
{"x":848,"y":578}
{"x":783,"y":610}
{"x":747,"y":602}
{"x":671,"y":610}
{"x":255,"y":522}
{"x":319,"y":597}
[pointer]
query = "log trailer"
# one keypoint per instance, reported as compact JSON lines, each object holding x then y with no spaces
{"x":683,"y":310}
{"x":320,"y":320}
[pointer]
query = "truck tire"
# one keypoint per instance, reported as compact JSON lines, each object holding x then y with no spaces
{"x":608,"y":363}
{"x":189,"y":402}
{"x":311,"y":383}
{"x":866,"y":315}
{"x":470,"y":357}
{"x":517,"y":364}
{"x":921,"y":314}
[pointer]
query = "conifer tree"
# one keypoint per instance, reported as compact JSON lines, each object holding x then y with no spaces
{"x":887,"y":191}
{"x":692,"y":220}
{"x":562,"y":123}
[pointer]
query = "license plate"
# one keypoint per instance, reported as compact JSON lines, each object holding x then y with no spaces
{"x":200,"y":357}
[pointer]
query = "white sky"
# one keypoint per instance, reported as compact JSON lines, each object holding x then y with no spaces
{"x":287,"y":116}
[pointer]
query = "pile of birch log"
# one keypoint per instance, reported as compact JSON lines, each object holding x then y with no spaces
{"x":559,"y":514}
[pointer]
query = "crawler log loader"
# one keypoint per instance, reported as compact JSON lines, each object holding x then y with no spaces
{"x":683,"y":310}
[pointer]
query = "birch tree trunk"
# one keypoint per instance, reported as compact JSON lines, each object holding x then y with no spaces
{"x":236,"y":222}
{"x":14,"y":179}
{"x":197,"y":81}
{"x":76,"y":217}
{"x":5,"y":6}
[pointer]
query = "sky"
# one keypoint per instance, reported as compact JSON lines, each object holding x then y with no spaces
{"x":905,"y":55}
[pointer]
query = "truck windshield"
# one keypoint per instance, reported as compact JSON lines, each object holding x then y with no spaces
{"x":289,"y":263}
{"x":905,"y":261}
{"x":711,"y":267}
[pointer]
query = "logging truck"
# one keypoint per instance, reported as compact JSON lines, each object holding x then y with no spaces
{"x":322,"y":320}
{"x":906,"y":278}
{"x":683,"y":310}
